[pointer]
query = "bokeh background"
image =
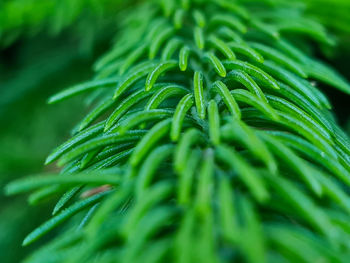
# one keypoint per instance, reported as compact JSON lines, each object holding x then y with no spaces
{"x":48,"y":45}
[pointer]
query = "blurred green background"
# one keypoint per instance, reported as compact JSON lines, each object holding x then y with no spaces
{"x":30,"y":72}
{"x":47,"y":45}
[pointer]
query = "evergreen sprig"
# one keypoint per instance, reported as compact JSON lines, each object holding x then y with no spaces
{"x":210,"y":142}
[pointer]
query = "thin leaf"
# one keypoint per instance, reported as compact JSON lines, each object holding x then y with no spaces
{"x":189,"y":138}
{"x":205,"y":184}
{"x":198,"y":94}
{"x":229,"y":21}
{"x":322,"y":72}
{"x":216,"y":64}
{"x":124,"y":106}
{"x":248,"y":175}
{"x":222,"y":47}
{"x":235,"y":8}
{"x":78,"y":89}
{"x":132,"y":58}
{"x":285,"y":106}
{"x":186,"y":178}
{"x":171,"y":90}
{"x":247,"y":136}
{"x":291,"y":80}
{"x":150,"y":165}
{"x":247,"y":81}
{"x":227,"y":213}
{"x":148,"y":141}
{"x":178,"y":18}
{"x":230,"y":34}
{"x":180,"y":112}
{"x":184,"y":238}
{"x":312,"y":152}
{"x":280,"y":58}
{"x":159,"y":40}
{"x":252,"y":233}
{"x":77,"y":139}
{"x":250,"y":99}
{"x":95,"y":113}
{"x":139,"y":117}
{"x":247,"y":51}
{"x":306,"y":208}
{"x":199,"y":18}
{"x":154,"y":195}
{"x":227,"y":97}
{"x":199,"y":37}
{"x":99,"y":142}
{"x":44,"y":193}
{"x":214,"y":122}
{"x":295,"y":163}
{"x":137,"y":73}
{"x":66,"y":197}
{"x":253,"y":71}
{"x":60,"y":218}
{"x":29,"y":183}
{"x":183,"y":58}
{"x":170,"y":48}
{"x":157,"y":71}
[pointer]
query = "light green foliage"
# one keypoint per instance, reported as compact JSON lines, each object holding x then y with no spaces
{"x":225,"y":151}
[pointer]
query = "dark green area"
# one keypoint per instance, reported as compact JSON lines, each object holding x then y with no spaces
{"x":31,"y":71}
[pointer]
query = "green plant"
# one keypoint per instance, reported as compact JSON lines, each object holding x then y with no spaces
{"x":328,"y":10}
{"x":20,"y":18}
{"x":209,"y":143}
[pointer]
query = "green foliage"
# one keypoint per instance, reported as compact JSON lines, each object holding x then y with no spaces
{"x":213,"y":142}
{"x":326,"y":11}
{"x":29,"y":17}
